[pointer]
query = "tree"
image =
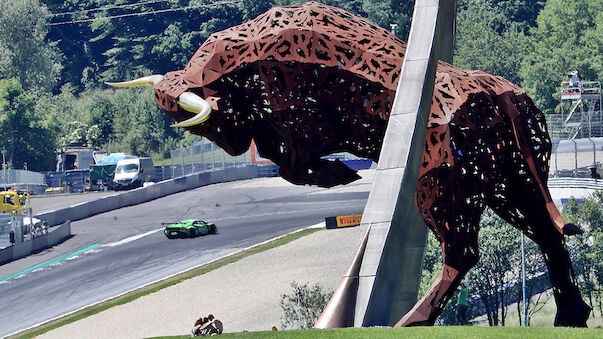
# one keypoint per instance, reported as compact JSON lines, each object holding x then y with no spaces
{"x":26,"y":54}
{"x":24,"y":136}
{"x":587,"y":249}
{"x":517,"y":12}
{"x":303,"y":307}
{"x":569,"y":36}
{"x":498,"y":244}
{"x":252,"y":8}
{"x":538,"y":290}
{"x":140,"y":126}
{"x":487,"y":40}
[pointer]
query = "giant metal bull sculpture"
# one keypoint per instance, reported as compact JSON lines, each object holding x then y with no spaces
{"x":308,"y":80}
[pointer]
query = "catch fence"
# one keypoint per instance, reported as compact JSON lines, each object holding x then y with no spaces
{"x":204,"y":156}
{"x":578,"y":158}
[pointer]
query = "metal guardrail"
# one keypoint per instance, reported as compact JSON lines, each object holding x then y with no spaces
{"x":583,"y":183}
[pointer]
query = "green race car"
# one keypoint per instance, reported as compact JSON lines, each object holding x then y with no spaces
{"x":189,"y":228}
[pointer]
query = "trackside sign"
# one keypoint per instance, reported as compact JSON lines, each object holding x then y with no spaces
{"x":343,"y":221}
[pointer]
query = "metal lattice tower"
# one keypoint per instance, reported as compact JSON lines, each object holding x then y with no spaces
{"x":580,"y":114}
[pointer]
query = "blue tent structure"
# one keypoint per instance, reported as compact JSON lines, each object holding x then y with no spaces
{"x":113,"y":158}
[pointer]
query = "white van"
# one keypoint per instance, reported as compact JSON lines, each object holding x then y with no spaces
{"x":131,"y":173}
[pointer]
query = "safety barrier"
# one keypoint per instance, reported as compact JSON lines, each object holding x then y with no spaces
{"x":25,"y":248}
{"x":584,"y":183}
{"x":148,"y":193}
{"x":575,"y":158}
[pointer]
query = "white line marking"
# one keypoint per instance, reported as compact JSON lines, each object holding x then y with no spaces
{"x":319,"y":225}
{"x":133,"y":238}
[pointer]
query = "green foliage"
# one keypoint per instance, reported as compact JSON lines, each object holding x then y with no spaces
{"x":515,"y":12}
{"x":498,"y":243}
{"x":24,"y":136}
{"x":488,"y":41}
{"x":432,"y":263}
{"x":569,"y":36}
{"x":126,"y":120}
{"x":587,"y":249}
{"x":26,"y":55}
{"x":303,"y":307}
{"x":125,"y":42}
{"x":252,"y":8}
{"x":140,"y":126}
{"x":535,"y":267}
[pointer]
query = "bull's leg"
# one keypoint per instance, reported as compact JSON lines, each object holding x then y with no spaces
{"x":526,"y":209}
{"x":571,"y":309}
{"x":460,"y":249}
{"x":539,"y":226}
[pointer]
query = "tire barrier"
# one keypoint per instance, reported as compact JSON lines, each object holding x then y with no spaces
{"x":25,"y":248}
{"x":144,"y":194}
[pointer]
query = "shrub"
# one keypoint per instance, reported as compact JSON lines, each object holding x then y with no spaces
{"x":303,"y":306}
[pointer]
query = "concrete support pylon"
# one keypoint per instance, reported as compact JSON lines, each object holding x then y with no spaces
{"x":382,"y":282}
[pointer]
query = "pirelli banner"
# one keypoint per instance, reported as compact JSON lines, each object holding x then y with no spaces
{"x":343,"y":221}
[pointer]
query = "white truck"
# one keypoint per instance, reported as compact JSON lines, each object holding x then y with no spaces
{"x":134,"y":172}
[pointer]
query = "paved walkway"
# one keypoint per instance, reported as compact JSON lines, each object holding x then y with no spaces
{"x":245,"y":295}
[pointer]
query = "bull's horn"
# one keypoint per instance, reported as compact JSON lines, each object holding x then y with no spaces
{"x":150,"y":80}
{"x":193,"y":103}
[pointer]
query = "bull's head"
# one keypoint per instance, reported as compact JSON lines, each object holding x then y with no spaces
{"x":288,"y":82}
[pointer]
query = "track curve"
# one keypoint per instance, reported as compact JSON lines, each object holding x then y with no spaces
{"x":128,"y":249}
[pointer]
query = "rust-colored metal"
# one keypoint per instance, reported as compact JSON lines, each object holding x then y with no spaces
{"x":340,"y":309}
{"x":308,"y":80}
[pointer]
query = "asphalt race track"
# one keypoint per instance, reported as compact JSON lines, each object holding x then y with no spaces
{"x":121,"y":250}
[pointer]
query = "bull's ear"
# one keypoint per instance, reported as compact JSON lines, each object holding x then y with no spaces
{"x":150,"y":80}
{"x":213,"y":102}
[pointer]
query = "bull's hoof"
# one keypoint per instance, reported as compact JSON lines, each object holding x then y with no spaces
{"x":571,"y":229}
{"x":572,"y":316}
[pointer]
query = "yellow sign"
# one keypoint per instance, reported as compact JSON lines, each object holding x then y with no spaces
{"x":348,"y":220}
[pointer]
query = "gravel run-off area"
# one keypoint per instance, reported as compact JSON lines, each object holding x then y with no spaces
{"x":244,"y":295}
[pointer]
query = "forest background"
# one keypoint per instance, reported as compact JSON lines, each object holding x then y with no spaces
{"x":56,"y":54}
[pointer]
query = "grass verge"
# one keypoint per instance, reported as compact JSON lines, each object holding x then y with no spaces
{"x":434,"y":332}
{"x":152,"y":288}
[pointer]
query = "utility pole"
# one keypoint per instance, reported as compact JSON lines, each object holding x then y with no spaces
{"x":4,"y":168}
{"x":28,"y":199}
{"x":523,"y":274}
